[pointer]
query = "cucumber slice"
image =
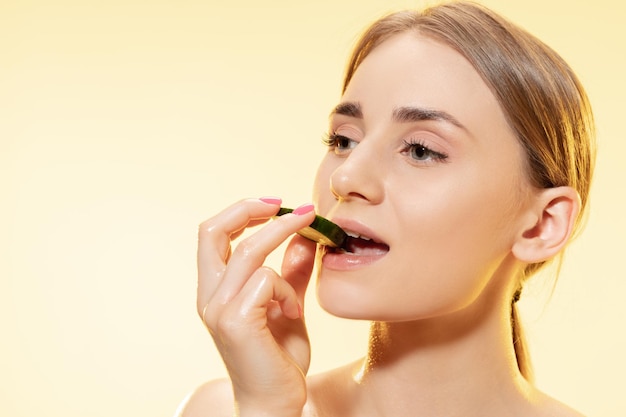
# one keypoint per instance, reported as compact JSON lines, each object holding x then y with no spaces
{"x":322,"y":230}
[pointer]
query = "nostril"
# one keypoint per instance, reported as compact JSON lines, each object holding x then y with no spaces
{"x":347,"y":188}
{"x":357,"y":195}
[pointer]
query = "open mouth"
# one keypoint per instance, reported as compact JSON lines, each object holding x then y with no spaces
{"x":361,"y":245}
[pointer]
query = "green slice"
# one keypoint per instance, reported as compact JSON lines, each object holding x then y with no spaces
{"x":322,"y":230}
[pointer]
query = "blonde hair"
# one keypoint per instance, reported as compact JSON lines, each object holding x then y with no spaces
{"x":541,"y":97}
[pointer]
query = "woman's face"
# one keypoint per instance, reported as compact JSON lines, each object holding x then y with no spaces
{"x":422,"y":162}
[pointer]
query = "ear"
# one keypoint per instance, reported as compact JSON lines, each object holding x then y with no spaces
{"x":554,"y":214}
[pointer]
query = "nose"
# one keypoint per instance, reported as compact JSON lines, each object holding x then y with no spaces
{"x":359,"y":176}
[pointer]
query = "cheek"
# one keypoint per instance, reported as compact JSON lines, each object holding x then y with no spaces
{"x":456,"y":238}
{"x":465,"y":220}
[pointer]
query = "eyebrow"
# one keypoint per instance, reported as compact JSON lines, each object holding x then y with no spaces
{"x":418,"y":114}
{"x":348,"y":109}
{"x":404,"y":114}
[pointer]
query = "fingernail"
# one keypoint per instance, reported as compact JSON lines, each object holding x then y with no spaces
{"x":304,"y":209}
{"x":272,"y":200}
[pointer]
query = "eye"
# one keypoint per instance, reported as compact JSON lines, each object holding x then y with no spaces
{"x":422,"y":153}
{"x":339,"y":143}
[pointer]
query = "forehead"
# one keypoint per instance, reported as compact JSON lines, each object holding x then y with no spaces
{"x":413,"y":70}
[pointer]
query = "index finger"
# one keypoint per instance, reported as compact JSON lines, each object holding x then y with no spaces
{"x":215,"y":236}
{"x":252,"y":252}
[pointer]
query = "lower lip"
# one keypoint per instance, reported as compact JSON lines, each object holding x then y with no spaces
{"x":348,"y":261}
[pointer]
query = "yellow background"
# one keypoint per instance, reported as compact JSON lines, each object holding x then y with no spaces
{"x":123,"y":124}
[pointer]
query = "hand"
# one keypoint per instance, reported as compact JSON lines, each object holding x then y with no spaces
{"x":253,"y":314}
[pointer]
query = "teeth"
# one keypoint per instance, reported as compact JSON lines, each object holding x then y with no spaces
{"x":357,"y":236}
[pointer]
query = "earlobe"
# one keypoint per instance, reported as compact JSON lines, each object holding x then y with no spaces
{"x":556,"y":210}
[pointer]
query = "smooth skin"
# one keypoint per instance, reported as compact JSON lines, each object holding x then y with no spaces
{"x":450,"y":196}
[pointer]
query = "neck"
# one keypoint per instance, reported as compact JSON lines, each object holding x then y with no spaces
{"x":463,"y":361}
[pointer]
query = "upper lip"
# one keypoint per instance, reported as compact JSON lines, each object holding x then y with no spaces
{"x":355,"y":227}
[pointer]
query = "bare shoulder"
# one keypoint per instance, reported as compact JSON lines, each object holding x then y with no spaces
{"x":213,"y":398}
{"x":550,"y":407}
{"x":331,"y":393}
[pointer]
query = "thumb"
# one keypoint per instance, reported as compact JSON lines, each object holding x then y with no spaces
{"x":298,"y":264}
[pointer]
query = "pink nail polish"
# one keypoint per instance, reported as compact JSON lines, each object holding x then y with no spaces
{"x":272,"y":200}
{"x":304,"y":209}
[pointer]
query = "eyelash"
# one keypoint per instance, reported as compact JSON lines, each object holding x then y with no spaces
{"x":332,"y":140}
{"x":413,"y":145}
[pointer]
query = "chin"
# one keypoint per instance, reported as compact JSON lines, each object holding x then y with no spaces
{"x":346,"y":299}
{"x":347,"y":296}
{"x":349,"y":300}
